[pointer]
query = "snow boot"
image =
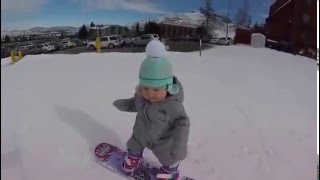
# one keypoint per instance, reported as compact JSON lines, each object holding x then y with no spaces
{"x":167,"y":173}
{"x":131,"y":162}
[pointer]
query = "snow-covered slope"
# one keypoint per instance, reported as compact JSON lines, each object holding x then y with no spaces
{"x":39,"y":30}
{"x":195,"y":19}
{"x":252,"y":112}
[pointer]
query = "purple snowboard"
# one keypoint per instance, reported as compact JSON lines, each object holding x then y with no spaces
{"x":111,"y":157}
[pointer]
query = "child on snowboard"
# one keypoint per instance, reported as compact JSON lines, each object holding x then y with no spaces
{"x":161,"y":124}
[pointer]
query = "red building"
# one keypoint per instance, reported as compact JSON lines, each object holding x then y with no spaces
{"x":243,"y":34}
{"x":176,"y":29}
{"x":293,"y":22}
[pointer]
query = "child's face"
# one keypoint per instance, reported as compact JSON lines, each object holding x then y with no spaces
{"x":153,"y":94}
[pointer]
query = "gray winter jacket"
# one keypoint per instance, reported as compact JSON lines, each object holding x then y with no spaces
{"x":161,"y":127}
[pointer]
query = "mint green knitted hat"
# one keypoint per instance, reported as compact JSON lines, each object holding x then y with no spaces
{"x":156,"y":70}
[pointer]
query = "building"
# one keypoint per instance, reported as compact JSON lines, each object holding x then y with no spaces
{"x":106,"y":30}
{"x":243,"y":34}
{"x":171,"y":28}
{"x":293,"y":23}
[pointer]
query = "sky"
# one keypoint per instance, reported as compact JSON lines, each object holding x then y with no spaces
{"x":25,"y":14}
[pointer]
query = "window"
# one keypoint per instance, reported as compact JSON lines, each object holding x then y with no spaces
{"x":306,"y":19}
{"x":113,"y":38}
{"x":145,"y":37}
{"x":179,"y":31}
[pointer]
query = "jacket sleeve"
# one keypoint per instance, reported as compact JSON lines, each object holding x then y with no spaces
{"x":127,"y":105}
{"x":180,"y":136}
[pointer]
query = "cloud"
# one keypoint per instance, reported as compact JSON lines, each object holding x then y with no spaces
{"x":21,"y":6}
{"x":145,"y":6}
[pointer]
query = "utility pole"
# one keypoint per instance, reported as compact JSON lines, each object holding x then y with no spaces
{"x":228,"y":19}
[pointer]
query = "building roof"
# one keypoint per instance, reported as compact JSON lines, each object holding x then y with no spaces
{"x":178,"y":22}
{"x":282,"y":6}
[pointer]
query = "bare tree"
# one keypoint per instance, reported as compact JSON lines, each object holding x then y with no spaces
{"x":137,"y":30}
{"x":208,"y":12}
{"x":7,"y":39}
{"x":249,"y":21}
{"x":242,"y":17}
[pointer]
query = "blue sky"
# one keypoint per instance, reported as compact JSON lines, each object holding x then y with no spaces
{"x":24,"y":14}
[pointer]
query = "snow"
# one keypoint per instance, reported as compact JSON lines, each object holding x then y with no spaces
{"x":258,"y":40}
{"x":252,"y":112}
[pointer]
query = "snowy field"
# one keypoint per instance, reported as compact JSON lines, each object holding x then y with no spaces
{"x":252,"y":111}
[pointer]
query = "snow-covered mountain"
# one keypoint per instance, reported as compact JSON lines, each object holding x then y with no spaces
{"x":57,"y":29}
{"x":194,"y":19}
{"x":39,"y":30}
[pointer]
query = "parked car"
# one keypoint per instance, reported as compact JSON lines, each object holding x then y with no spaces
{"x":78,"y":42}
{"x":68,"y":43}
{"x":5,"y":52}
{"x":106,"y":42}
{"x":128,"y":41}
{"x":46,"y":47}
{"x":85,"y":41}
{"x":123,"y":40}
{"x":32,"y":49}
{"x":225,"y":41}
{"x":143,"y":40}
{"x":206,"y":38}
{"x":21,"y":48}
{"x":214,"y":40}
{"x":185,"y":38}
{"x":58,"y":45}
{"x":155,"y":36}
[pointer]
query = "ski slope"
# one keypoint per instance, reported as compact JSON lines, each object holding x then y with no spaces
{"x":252,"y":111}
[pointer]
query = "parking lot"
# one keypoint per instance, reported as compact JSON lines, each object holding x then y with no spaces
{"x":83,"y":49}
{"x":176,"y":46}
{"x":63,"y":47}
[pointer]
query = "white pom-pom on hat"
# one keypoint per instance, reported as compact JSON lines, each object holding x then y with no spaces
{"x":155,"y":48}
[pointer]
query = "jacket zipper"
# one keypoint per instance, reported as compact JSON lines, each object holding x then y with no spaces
{"x":149,"y":125}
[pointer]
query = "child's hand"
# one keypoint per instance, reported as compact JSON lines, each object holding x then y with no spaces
{"x":125,"y":105}
{"x":120,"y":104}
